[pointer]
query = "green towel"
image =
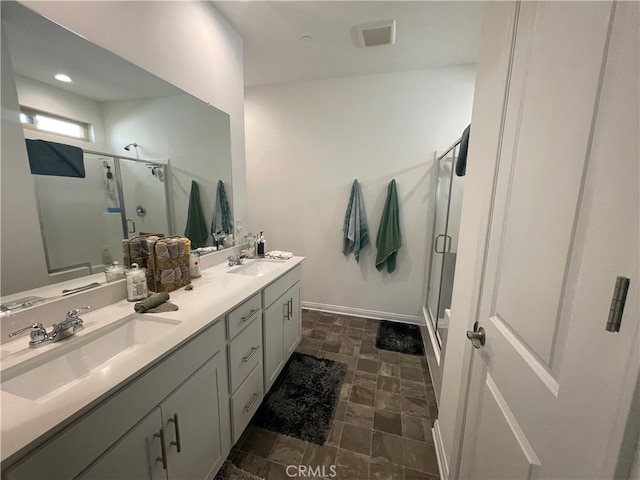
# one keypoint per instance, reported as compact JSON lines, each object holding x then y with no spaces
{"x":196,"y":229}
{"x":221,"y":221}
{"x":389,"y":238}
{"x":157,"y":303}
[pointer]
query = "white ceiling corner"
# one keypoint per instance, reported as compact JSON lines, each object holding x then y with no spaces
{"x":429,"y":34}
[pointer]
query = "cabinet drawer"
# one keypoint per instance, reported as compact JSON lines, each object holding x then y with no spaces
{"x":245,"y":352}
{"x":280,"y":286}
{"x":242,"y":315}
{"x":246,"y":401}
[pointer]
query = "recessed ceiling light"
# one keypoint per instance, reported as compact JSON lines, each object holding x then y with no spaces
{"x":61,"y":77}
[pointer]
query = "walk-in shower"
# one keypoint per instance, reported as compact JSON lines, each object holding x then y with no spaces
{"x":83,"y":220}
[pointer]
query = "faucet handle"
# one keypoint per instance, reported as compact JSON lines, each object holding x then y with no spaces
{"x":36,"y":327}
{"x":38,"y":334}
{"x":73,"y":314}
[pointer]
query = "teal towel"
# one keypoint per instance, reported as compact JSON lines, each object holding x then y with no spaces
{"x":221,"y":221}
{"x":355,"y":228}
{"x":196,"y":229}
{"x":389,"y":238}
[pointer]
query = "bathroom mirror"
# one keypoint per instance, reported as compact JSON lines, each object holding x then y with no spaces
{"x":178,"y":138}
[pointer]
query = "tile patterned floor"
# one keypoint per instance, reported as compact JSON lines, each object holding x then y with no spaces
{"x":382,"y":424}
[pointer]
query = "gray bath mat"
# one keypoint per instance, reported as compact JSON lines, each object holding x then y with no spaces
{"x":303,"y":398}
{"x":230,"y":472}
{"x":399,"y":337}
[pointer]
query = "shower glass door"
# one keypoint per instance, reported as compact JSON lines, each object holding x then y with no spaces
{"x":440,"y":278}
{"x":144,"y":194}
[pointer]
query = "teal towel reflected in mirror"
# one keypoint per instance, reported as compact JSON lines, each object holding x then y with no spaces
{"x":221,"y":221}
{"x":389,"y":239}
{"x":57,"y":159}
{"x":355,"y":229}
{"x":196,"y":229}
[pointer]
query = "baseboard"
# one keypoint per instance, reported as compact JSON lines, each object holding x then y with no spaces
{"x":361,"y":312}
{"x":441,"y":457}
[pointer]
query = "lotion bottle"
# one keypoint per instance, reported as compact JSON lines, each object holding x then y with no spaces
{"x":260,"y":245}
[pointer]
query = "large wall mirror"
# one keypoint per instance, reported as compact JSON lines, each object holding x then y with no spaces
{"x":171,"y":137}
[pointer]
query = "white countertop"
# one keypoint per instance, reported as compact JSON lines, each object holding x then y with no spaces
{"x":23,"y":421}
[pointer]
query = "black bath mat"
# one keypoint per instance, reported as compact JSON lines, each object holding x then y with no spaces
{"x":399,"y":337}
{"x":303,"y":398}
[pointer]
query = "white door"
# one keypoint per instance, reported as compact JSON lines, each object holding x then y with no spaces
{"x":550,"y":389}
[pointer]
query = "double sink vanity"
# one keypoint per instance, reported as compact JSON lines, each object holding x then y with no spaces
{"x":151,"y":395}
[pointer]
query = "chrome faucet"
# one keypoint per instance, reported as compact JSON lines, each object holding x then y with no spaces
{"x":39,"y":335}
{"x":236,"y":259}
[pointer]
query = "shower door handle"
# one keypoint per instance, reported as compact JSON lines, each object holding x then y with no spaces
{"x":131,"y":227}
{"x":447,"y":243}
{"x":438,"y":237}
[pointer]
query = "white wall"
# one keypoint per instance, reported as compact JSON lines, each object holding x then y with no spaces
{"x":187,"y":43}
{"x":308,"y":141}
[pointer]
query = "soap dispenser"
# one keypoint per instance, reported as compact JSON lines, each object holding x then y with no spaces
{"x":260,"y":245}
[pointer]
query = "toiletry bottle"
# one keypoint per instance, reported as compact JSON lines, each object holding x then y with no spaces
{"x":194,"y":265}
{"x":260,"y":245}
{"x":137,"y":288}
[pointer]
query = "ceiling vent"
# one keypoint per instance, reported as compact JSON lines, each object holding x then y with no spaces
{"x":376,"y":33}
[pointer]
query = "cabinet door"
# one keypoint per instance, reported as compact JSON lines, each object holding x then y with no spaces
{"x":273,"y":340}
{"x":137,"y":455}
{"x":196,"y":422}
{"x":293,"y":322}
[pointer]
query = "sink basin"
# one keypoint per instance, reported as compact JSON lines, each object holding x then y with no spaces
{"x":75,"y":358}
{"x":257,"y":268}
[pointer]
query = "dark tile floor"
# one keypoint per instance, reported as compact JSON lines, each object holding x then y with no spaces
{"x":382,"y":424}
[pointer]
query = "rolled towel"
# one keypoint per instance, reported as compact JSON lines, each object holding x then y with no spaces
{"x":156,"y":303}
{"x":184,"y":270}
{"x":167,"y":276}
{"x":177,"y":273}
{"x":182,"y":246}
{"x":172,"y":245}
{"x":162,"y":250}
{"x":135,"y":247}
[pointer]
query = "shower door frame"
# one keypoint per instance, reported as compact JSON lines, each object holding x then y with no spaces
{"x":118,"y":173}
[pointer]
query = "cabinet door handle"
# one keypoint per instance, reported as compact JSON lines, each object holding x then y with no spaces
{"x":247,"y":317}
{"x":254,"y":398}
{"x":251,"y":354}
{"x":176,"y":425}
{"x":290,"y":308}
{"x":285,"y":308}
{"x":163,"y":446}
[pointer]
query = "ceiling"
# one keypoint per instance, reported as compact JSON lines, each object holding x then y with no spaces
{"x":39,"y":49}
{"x":429,"y":34}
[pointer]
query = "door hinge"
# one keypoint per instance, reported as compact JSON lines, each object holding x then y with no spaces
{"x":617,"y":304}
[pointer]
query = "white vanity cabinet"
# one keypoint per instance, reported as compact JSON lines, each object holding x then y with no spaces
{"x":187,"y":423}
{"x":196,"y":399}
{"x":281,"y":323}
{"x":118,"y":436}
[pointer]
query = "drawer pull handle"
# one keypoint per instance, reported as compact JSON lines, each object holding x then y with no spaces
{"x":251,"y":354}
{"x":163,"y":447}
{"x":176,"y":425}
{"x":254,"y":398}
{"x":247,"y":317}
